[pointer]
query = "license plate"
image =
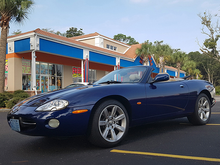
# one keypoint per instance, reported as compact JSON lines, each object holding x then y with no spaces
{"x":14,"y":124}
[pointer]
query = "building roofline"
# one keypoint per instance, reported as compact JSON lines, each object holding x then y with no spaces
{"x":69,"y":41}
{"x":94,"y":35}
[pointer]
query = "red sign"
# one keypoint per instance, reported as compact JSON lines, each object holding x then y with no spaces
{"x":150,"y":60}
{"x":141,"y":59}
{"x":76,"y":72}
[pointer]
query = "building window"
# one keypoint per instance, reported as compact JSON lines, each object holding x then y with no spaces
{"x":59,"y":82}
{"x":26,"y":74}
{"x":111,"y":47}
{"x":108,"y":46}
{"x":43,"y":68}
{"x":92,"y":75}
{"x":37,"y":82}
{"x":48,"y":76}
{"x":26,"y":82}
{"x":77,"y":75}
{"x":37,"y":68}
{"x":52,"y":69}
{"x":59,"y":70}
{"x":52,"y":83}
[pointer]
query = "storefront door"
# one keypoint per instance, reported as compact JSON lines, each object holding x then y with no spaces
{"x":44,"y":83}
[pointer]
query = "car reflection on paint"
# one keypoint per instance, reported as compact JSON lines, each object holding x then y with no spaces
{"x":105,"y":110}
{"x":76,"y":84}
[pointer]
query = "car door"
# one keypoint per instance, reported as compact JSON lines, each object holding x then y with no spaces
{"x":163,"y":98}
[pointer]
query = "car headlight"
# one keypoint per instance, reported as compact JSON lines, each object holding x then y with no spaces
{"x":53,"y":105}
{"x":209,"y":88}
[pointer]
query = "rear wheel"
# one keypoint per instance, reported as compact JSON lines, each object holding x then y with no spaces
{"x":202,"y":112}
{"x":109,"y":124}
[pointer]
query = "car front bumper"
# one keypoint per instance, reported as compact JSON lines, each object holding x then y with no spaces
{"x":26,"y":120}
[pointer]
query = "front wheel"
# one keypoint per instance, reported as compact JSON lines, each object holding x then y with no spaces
{"x":109,"y":124}
{"x":202,"y":112}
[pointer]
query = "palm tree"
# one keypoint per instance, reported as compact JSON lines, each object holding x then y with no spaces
{"x":145,"y":50}
{"x":162,"y":54}
{"x":10,"y":10}
{"x":190,"y":68}
{"x":179,"y":58}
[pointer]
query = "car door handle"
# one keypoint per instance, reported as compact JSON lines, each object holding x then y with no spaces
{"x":181,"y":86}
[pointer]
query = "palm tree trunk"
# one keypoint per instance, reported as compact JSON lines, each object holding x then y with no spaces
{"x":160,"y":69}
{"x":3,"y":44}
{"x":161,"y":64}
{"x":164,"y":71}
{"x":178,"y":69}
{"x":145,"y":60}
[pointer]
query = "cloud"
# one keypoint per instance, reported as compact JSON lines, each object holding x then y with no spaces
{"x":139,"y":1}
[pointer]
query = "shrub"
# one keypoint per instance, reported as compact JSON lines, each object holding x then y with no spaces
{"x":4,"y":97}
{"x":18,"y":92}
{"x":217,"y":90}
{"x":8,"y":95}
{"x":2,"y":100}
{"x":8,"y":100}
{"x":21,"y":95}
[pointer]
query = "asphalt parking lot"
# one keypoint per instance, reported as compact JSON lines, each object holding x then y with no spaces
{"x":168,"y":142}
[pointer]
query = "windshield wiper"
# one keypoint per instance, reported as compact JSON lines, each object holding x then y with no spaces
{"x":110,"y":82}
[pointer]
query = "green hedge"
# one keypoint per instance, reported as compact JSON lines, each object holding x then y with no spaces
{"x":4,"y":97}
{"x":8,"y":99}
{"x":217,"y":90}
{"x":9,"y":104}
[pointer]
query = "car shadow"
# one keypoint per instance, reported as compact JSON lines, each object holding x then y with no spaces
{"x":150,"y":130}
{"x":80,"y":144}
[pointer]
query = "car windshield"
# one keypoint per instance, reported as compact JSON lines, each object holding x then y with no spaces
{"x":125,"y":75}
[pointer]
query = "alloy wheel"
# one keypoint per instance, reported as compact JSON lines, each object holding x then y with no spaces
{"x":203,"y":109}
{"x":112,"y":123}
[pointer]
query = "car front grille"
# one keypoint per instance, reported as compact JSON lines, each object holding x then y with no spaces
{"x":24,"y":123}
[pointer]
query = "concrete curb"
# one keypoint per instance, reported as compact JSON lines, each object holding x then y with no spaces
{"x":4,"y":110}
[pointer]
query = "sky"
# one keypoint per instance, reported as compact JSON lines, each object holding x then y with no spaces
{"x":175,"y":22}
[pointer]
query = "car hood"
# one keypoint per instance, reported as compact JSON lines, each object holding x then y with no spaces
{"x":85,"y":95}
{"x":43,"y":98}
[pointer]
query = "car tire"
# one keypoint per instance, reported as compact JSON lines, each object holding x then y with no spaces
{"x":109,"y":124}
{"x":202,"y":112}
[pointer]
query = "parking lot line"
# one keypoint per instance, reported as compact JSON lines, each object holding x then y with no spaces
{"x":206,"y":124}
{"x":167,"y":155}
{"x":216,"y":113}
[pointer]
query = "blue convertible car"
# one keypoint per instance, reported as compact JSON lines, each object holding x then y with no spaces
{"x":105,"y":110}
